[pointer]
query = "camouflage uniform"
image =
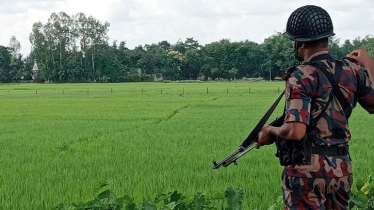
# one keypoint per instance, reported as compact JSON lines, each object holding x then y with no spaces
{"x":326,"y":183}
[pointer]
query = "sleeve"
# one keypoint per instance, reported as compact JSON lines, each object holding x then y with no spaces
{"x":297,"y":99}
{"x":365,"y":91}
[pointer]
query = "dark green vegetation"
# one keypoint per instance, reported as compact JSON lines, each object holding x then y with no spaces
{"x":102,"y":200}
{"x":76,"y":49}
{"x":58,"y":141}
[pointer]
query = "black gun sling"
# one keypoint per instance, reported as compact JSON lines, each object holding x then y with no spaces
{"x":254,"y":133}
{"x":336,"y":150}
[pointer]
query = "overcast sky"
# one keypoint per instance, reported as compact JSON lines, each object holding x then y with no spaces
{"x":140,"y":22}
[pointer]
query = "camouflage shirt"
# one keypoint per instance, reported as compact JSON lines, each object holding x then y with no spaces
{"x":307,"y":92}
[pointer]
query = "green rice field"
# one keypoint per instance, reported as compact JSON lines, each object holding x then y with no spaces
{"x":58,"y":141}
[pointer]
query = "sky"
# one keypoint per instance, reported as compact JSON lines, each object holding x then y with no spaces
{"x":140,"y":22}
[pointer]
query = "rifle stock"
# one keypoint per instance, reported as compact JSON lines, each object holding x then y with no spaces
{"x":248,"y":144}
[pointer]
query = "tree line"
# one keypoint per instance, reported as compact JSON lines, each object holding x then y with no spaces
{"x":76,"y":49}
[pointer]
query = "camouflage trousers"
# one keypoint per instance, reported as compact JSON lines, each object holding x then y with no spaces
{"x":316,"y":193}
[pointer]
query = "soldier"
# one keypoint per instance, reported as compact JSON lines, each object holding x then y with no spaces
{"x":313,"y":141}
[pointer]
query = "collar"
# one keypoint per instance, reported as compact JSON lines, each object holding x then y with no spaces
{"x":289,"y":71}
{"x":315,"y":54}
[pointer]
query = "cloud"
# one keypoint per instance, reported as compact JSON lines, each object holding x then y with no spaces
{"x":206,"y":21}
{"x":140,"y":22}
{"x":20,"y":6}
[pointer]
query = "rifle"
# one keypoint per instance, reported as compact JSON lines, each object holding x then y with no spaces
{"x":250,"y":142}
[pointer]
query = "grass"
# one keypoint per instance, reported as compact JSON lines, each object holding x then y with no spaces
{"x":58,"y":141}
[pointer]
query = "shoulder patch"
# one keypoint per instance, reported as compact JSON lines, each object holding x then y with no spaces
{"x":288,"y":73}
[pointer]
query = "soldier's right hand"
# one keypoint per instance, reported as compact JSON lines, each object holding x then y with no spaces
{"x":264,"y":137}
{"x":361,"y":55}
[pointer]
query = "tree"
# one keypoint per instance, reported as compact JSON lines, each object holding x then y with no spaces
{"x":179,"y":46}
{"x":5,"y":60}
{"x":16,"y":64}
{"x":279,"y":55}
{"x":216,"y":58}
{"x":172,"y":69}
{"x":123,"y":56}
{"x":190,"y":43}
{"x":153,"y":60}
{"x":14,"y":46}
{"x":44,"y":49}
{"x":97,"y":36}
{"x":63,"y":40}
{"x":368,"y":43}
{"x":347,"y":47}
{"x":107,"y":63}
{"x":76,"y":49}
{"x":62,"y":44}
{"x":165,"y":45}
{"x":334,"y":47}
{"x":191,"y":66}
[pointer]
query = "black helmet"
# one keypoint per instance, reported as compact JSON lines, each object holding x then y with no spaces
{"x":309,"y":23}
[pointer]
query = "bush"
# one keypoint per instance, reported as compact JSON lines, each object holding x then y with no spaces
{"x":362,"y":196}
{"x":166,"y":201}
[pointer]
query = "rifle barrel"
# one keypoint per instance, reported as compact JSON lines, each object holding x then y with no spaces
{"x":234,"y":156}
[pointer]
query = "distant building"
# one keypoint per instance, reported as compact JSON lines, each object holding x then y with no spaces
{"x":201,"y":76}
{"x":158,"y":77}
